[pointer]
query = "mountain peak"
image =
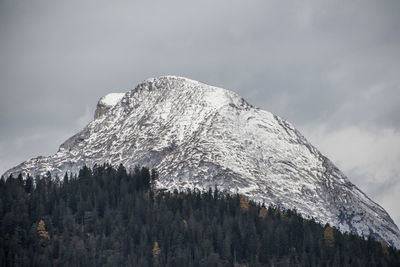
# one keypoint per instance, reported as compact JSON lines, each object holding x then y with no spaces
{"x":206,"y":95}
{"x":200,"y":136}
{"x":170,"y":78}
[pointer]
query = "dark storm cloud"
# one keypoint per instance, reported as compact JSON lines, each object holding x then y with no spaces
{"x":329,"y":67}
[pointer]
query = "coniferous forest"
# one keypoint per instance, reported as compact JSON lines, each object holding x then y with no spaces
{"x":108,"y":217}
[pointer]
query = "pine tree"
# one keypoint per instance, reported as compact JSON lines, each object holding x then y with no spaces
{"x":28,"y":184}
{"x":328,"y":236}
{"x":43,"y":234}
{"x":156,"y":253}
{"x":262,"y":213}
{"x":384,"y":247}
{"x":244,"y":203}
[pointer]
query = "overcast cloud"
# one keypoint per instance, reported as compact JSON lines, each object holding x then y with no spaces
{"x":332,"y":68}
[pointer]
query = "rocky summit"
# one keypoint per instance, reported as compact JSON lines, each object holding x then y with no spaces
{"x":200,"y":136}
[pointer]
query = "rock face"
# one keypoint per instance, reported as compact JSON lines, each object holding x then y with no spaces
{"x":200,"y":136}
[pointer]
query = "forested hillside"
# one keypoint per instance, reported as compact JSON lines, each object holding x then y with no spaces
{"x":107,"y":217}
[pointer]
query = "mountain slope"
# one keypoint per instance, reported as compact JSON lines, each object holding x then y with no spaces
{"x":200,"y":136}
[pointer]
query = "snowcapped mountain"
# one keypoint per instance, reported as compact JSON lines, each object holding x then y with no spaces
{"x":200,"y":136}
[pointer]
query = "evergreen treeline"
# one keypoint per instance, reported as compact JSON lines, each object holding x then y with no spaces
{"x":107,"y":217}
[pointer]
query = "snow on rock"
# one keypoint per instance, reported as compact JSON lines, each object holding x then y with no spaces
{"x":106,"y":103}
{"x":111,"y":99}
{"x":200,"y":136}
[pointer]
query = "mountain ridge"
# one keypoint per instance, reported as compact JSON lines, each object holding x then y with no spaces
{"x":201,"y":136}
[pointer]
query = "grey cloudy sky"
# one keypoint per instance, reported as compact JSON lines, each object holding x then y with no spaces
{"x":332,"y":68}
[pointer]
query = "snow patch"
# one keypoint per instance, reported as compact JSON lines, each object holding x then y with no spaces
{"x":111,"y":99}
